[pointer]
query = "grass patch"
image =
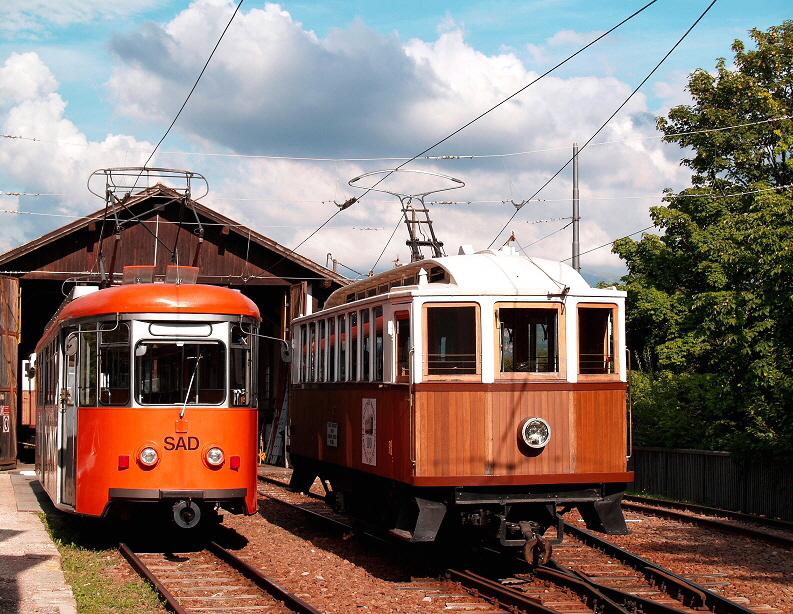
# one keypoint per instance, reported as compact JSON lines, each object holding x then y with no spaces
{"x":100,"y":578}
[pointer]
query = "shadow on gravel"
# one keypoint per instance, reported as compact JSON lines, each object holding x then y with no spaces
{"x":389,"y":560}
{"x":143,"y":534}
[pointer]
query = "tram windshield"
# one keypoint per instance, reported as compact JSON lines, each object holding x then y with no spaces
{"x":528,"y":340}
{"x":176,"y":372}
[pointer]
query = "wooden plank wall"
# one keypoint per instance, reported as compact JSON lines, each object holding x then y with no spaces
{"x":476,"y":433}
{"x":9,"y":337}
{"x":311,"y":409}
{"x":601,"y":422}
{"x":466,"y":431}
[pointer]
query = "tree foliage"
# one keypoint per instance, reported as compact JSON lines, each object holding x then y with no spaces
{"x":711,"y":299}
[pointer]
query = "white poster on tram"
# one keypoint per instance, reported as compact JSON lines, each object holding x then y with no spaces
{"x":369,"y":432}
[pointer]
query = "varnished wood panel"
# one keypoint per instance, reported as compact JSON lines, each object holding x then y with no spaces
{"x":601,"y":422}
{"x":474,"y":431}
{"x":311,"y":409}
{"x":450,"y":433}
{"x":468,"y":432}
{"x":513,"y":457}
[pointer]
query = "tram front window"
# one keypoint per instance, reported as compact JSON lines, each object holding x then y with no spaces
{"x":528,"y":340}
{"x":175,"y":372}
{"x":452,"y":346}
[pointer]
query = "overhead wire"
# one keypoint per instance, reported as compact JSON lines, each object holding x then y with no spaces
{"x":456,"y":131}
{"x":201,"y":74}
{"x":667,"y":195}
{"x":508,"y":98}
{"x":385,"y":247}
{"x":100,"y":254}
{"x":387,"y":158}
{"x":589,"y":140}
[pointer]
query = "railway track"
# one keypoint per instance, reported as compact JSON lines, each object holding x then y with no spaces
{"x":634,"y":582}
{"x":587,"y":574}
{"x":776,"y":532}
{"x":212,"y":580}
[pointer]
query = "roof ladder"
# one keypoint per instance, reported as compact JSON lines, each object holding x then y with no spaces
{"x":417,"y":217}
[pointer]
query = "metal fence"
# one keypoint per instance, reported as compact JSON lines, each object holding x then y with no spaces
{"x":758,"y":486}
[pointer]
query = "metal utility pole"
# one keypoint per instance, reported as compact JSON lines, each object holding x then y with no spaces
{"x":576,"y":217}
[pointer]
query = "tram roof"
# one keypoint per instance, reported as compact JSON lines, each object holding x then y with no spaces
{"x":489,"y":272}
{"x":160,"y":298}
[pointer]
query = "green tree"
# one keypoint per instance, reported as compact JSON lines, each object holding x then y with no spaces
{"x":711,"y":299}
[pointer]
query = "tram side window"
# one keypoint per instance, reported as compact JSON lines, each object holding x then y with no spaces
{"x":114,"y":364}
{"x":240,"y":382}
{"x":342,"y":348}
{"x":303,"y":353}
{"x":452,"y":340}
{"x":322,"y":348}
{"x":173,"y":373}
{"x":353,"y":374}
{"x":596,"y":340}
{"x":332,"y":349}
{"x":311,"y":375}
{"x":51,"y":390}
{"x":378,"y":344}
{"x":46,"y":369}
{"x":403,"y":346}
{"x":87,"y":368}
{"x":528,"y":340}
{"x":366,"y":346}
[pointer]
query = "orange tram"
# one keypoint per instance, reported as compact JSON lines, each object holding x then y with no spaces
{"x":146,"y":398}
{"x":482,"y":393}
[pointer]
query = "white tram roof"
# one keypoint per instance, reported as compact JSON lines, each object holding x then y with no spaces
{"x":490,"y":272}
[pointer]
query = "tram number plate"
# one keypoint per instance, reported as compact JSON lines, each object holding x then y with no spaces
{"x":333,"y":434}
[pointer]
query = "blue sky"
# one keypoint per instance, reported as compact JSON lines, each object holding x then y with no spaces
{"x":97,"y":82}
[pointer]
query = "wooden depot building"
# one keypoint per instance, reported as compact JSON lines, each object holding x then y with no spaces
{"x":156,"y":226}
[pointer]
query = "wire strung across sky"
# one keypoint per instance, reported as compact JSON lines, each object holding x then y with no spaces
{"x":589,"y":140}
{"x":201,"y":74}
{"x":508,"y":98}
{"x":463,"y":127}
{"x":208,"y":154}
{"x":405,"y":162}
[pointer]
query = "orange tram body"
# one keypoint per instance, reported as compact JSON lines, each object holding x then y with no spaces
{"x":147,"y":395}
{"x":483,"y":393}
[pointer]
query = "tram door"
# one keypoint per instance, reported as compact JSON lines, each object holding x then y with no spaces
{"x":67,"y":423}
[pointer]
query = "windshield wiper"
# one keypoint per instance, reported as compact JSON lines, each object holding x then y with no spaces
{"x":190,"y":385}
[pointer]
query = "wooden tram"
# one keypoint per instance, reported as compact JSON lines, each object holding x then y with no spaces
{"x":483,"y":392}
{"x":146,"y":395}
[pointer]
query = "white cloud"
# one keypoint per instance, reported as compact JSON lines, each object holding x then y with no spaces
{"x":34,"y":17}
{"x":54,"y":157}
{"x":276,"y":88}
{"x":570,"y":38}
{"x":24,"y":77}
{"x":673,"y":92}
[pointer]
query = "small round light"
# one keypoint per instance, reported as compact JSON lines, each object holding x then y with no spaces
{"x":148,"y":456}
{"x":215,"y":456}
{"x":535,"y":432}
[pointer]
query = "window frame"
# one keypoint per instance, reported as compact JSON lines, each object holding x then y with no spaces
{"x":616,"y":343}
{"x":181,"y":342}
{"x":469,"y":377}
{"x":561,"y":342}
{"x":402,"y":355}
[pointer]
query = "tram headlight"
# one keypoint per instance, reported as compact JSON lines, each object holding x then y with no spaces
{"x":148,"y":456}
{"x":214,"y":456}
{"x":535,"y":432}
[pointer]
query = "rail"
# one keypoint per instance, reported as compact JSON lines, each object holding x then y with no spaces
{"x":172,"y":603}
